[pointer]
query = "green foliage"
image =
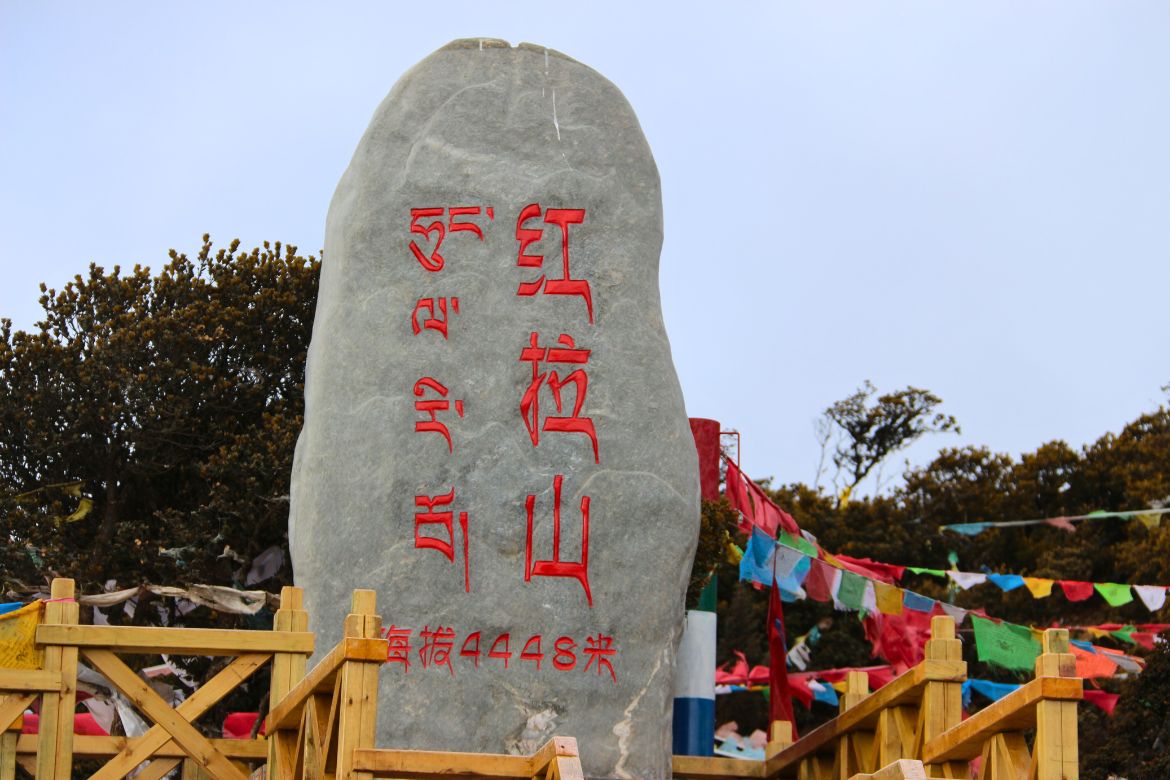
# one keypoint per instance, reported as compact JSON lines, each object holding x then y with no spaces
{"x":147,"y":424}
{"x":717,"y":526}
{"x":1121,"y":471}
{"x":869,"y":432}
{"x":1133,"y":743}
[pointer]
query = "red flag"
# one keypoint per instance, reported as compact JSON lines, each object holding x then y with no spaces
{"x":1106,"y":701}
{"x":1074,"y":590}
{"x":779,"y":694}
{"x":755,"y":506}
{"x":886,"y":572}
{"x":736,"y":492}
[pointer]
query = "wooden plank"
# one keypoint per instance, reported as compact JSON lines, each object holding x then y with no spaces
{"x":88,"y":746}
{"x":149,"y":703}
{"x":286,"y":713}
{"x":29,"y":680}
{"x":907,"y":688}
{"x":1054,"y":754}
{"x":568,"y":768}
{"x":549,"y":751}
{"x":715,"y":767}
{"x":70,"y":613}
{"x":409,"y":764}
{"x":55,"y":743}
{"x":141,"y":748}
{"x":902,"y":769}
{"x":357,"y":699}
{"x":158,"y":768}
{"x":1014,"y":712}
{"x":176,"y":641}
{"x":288,"y":669}
{"x":8,"y":756}
{"x":12,"y":707}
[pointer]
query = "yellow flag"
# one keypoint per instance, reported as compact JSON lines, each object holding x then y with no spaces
{"x":83,"y":508}
{"x":889,"y":598}
{"x":1150,"y":521}
{"x":843,"y":497}
{"x":1040,"y":587}
{"x":18,"y":632}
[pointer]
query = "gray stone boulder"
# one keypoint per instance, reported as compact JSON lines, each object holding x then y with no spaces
{"x":495,"y":439}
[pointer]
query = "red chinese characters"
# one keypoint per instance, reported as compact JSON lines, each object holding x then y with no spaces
{"x":432,"y":407}
{"x":565,"y":285}
{"x":566,"y":353}
{"x":600,"y":649}
{"x":430,"y":517}
{"x":436,"y":647}
{"x":398,"y":646}
{"x":555,"y":567}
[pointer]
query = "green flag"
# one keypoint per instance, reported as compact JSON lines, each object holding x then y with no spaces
{"x":1114,"y":593}
{"x":851,"y":591}
{"x":1004,"y":644}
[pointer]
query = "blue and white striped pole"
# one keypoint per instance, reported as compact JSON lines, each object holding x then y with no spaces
{"x":694,"y":685}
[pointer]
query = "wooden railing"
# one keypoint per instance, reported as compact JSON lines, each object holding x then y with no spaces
{"x":913,"y":726}
{"x":322,"y":722}
{"x":174,"y":740}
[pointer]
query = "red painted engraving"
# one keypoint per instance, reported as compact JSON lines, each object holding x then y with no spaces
{"x":564,"y":658}
{"x":474,"y":651}
{"x":565,"y":285}
{"x":398,"y":649}
{"x":434,"y":261}
{"x":431,"y":322}
{"x":530,"y":653}
{"x":445,"y":519}
{"x":600,"y":648}
{"x":568,"y":353}
{"x":436,"y":647}
{"x":433,"y":407}
{"x":506,"y":653}
{"x":578,"y":570}
{"x":466,"y":211}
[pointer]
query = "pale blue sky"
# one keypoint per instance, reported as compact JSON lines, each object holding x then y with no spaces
{"x":972,"y":197}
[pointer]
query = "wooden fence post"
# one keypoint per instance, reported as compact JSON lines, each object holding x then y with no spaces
{"x":854,"y":751}
{"x":942,"y":701}
{"x":1055,"y":753}
{"x":288,"y":669}
{"x":358,"y":705}
{"x":779,"y":737}
{"x":55,"y":740}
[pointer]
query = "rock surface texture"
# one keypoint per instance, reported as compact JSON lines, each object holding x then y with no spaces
{"x":495,"y":437}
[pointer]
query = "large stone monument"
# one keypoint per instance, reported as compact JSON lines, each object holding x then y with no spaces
{"x":494,"y":434}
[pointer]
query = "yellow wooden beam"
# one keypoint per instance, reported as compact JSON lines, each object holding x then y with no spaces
{"x":427,"y":763}
{"x":1014,"y":712}
{"x":12,"y":707}
{"x":55,"y":738}
{"x":905,"y":689}
{"x":148,"y":702}
{"x":286,"y":713}
{"x":902,"y":769}
{"x":176,"y":641}
{"x":715,"y":767}
{"x":29,"y":680}
{"x":88,"y":746}
{"x":144,"y":747}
